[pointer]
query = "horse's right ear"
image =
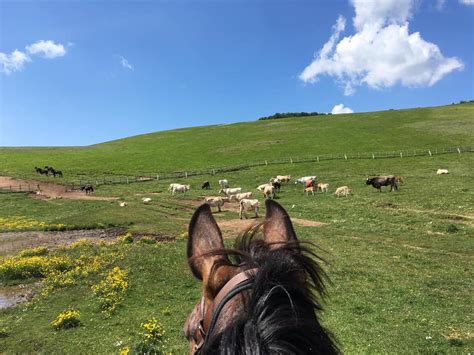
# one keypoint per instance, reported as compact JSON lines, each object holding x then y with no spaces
{"x":277,"y":227}
{"x":204,"y":237}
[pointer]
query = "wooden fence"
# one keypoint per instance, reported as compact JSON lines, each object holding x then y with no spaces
{"x":289,"y":160}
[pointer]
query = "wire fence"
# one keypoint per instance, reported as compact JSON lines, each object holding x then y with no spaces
{"x":290,"y":160}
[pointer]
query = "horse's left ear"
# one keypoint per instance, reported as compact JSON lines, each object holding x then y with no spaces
{"x":204,"y":237}
{"x":277,"y":227}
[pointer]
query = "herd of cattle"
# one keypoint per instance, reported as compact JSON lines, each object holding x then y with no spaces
{"x":272,"y":188}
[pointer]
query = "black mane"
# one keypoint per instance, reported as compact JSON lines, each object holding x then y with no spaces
{"x":282,"y":306}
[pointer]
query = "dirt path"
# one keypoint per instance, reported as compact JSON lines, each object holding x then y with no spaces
{"x":51,"y":190}
{"x":13,"y":242}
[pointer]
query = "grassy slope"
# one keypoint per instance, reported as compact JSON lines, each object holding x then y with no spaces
{"x":223,"y":145}
{"x":401,"y":282}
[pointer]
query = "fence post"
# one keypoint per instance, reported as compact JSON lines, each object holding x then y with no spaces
{"x":429,"y":151}
{"x":345,"y":156}
{"x":186,"y":174}
{"x":459,"y":150}
{"x":127,"y":180}
{"x":401,"y":155}
{"x":291,"y":160}
{"x":373,"y":156}
{"x":317,"y":158}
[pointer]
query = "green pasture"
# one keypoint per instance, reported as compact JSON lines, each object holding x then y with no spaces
{"x":240,"y":143}
{"x":401,"y":263}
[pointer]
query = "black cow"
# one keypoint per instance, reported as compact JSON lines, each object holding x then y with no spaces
{"x":87,"y":188}
{"x":380,"y":181}
{"x":206,"y":185}
{"x":276,"y":185}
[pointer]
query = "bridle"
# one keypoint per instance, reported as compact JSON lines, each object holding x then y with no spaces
{"x":208,"y":318}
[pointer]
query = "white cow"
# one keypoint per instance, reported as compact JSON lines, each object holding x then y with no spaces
{"x":122,"y":204}
{"x":241,"y":196}
{"x":180,"y":188}
{"x":231,"y":191}
{"x":304,"y":179}
{"x":170,"y":188}
{"x":283,"y":178}
{"x":269,"y":190}
{"x":322,"y":187}
{"x":262,"y":187}
{"x":342,"y":191}
{"x":223,"y":183}
{"x":248,"y":205}
{"x":442,"y":171}
{"x":217,"y":201}
{"x":146,"y":200}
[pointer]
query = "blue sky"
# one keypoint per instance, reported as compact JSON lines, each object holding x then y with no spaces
{"x":92,"y":71}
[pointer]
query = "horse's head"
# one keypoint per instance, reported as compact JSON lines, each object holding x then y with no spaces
{"x":262,"y":300}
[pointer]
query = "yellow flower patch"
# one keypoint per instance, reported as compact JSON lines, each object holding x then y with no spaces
{"x":67,"y":319}
{"x":15,"y":223}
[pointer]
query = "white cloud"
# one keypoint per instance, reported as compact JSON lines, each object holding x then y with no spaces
{"x":338,"y":109}
{"x":125,"y":63}
{"x":17,"y":59}
{"x":13,"y":62}
{"x":467,"y":2}
{"x":382,"y":52}
{"x":47,"y":49}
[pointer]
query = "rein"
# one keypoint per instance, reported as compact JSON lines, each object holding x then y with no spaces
{"x":209,"y":317}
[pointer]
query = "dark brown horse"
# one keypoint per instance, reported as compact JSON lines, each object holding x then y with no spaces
{"x":263,"y":297}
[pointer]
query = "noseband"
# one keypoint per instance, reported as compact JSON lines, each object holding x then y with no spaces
{"x":240,"y":282}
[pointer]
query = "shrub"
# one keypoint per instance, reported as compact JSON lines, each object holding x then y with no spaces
{"x":452,"y":228}
{"x":126,"y":239}
{"x":110,"y":290}
{"x":67,"y":319}
{"x":3,"y":332}
{"x":152,"y":338}
{"x":20,"y":268}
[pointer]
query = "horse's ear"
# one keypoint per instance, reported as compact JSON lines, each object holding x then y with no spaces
{"x":277,"y":227}
{"x":204,"y":237}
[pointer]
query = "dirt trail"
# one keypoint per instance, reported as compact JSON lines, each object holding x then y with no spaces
{"x":235,"y":227}
{"x":13,"y":242}
{"x":51,"y":190}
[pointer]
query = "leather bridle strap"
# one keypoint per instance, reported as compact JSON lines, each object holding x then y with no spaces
{"x":240,"y":282}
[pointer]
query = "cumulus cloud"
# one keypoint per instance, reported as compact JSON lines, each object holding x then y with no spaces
{"x":338,"y":109}
{"x":382,"y":52}
{"x":16,"y":60}
{"x":125,"y":63}
{"x":47,"y":49}
{"x":467,"y":2}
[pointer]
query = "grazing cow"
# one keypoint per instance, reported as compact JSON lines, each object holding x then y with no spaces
{"x":303,"y":180}
{"x":88,"y":189}
{"x":283,"y":178}
{"x":399,"y":180}
{"x":277,"y":185}
{"x":57,"y":173}
{"x":216,"y":201}
{"x":248,"y":205}
{"x":322,"y":187}
{"x":269,"y":190}
{"x":180,"y":188}
{"x":123,"y":204}
{"x":380,"y":181}
{"x":223,"y":184}
{"x":241,"y":196}
{"x":343,"y":191}
{"x":146,"y":200}
{"x":442,"y":171}
{"x":206,"y":185}
{"x":308,"y":190}
{"x":231,"y":191}
{"x":310,"y":183}
{"x":170,"y":188}
{"x":261,"y":187}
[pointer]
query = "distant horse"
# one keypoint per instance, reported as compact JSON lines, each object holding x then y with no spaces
{"x":265,"y":301}
{"x":206,"y":185}
{"x":87,"y":188}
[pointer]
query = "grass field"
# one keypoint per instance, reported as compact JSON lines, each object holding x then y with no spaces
{"x":400,"y":263}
